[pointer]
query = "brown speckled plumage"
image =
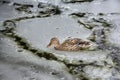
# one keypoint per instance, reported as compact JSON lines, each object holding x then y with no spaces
{"x":73,"y":44}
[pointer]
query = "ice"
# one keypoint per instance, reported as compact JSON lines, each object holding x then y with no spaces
{"x":53,"y":28}
{"x":17,"y":63}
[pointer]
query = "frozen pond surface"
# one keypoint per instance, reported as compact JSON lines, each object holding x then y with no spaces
{"x":17,"y":63}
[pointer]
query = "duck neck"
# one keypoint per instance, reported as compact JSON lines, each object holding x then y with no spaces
{"x":56,"y":43}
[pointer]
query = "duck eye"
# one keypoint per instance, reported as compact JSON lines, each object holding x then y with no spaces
{"x":79,"y":44}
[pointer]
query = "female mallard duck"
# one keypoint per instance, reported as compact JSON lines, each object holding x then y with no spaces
{"x":73,"y":44}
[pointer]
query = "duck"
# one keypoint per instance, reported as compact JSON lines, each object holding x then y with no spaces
{"x":72,"y":44}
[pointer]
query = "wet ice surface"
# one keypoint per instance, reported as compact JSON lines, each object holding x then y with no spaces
{"x":63,"y":28}
{"x":62,"y":31}
{"x":38,"y":31}
{"x":25,"y":66}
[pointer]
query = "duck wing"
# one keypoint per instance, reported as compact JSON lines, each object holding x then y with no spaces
{"x":74,"y":44}
{"x":72,"y":41}
{"x":68,"y":48}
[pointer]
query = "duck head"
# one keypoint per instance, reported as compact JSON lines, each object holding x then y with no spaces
{"x":54,"y":42}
